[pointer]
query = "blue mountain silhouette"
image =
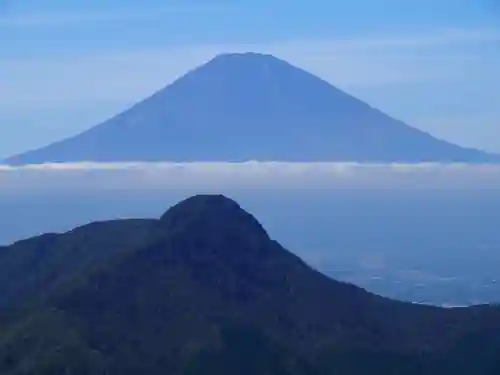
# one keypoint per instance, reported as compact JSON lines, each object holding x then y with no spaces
{"x":250,"y":106}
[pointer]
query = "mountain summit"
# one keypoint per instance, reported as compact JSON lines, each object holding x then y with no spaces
{"x":249,"y":106}
{"x":203,"y":291}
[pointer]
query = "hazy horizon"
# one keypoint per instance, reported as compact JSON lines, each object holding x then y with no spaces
{"x":426,"y":233}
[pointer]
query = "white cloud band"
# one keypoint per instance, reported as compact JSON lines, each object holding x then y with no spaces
{"x":249,"y":175}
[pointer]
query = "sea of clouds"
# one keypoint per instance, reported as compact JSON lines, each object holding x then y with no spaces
{"x":220,"y":176}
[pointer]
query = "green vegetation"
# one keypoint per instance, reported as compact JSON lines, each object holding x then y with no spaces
{"x":204,"y":290}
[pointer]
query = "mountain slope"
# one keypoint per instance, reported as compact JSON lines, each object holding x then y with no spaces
{"x":210,"y":292}
{"x":240,"y":107}
{"x":34,"y":267}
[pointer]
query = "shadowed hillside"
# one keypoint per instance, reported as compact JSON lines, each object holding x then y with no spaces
{"x":205,"y":290}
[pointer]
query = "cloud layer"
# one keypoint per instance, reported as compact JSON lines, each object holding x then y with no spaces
{"x":219,"y":176}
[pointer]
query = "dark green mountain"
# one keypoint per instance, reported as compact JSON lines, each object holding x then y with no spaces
{"x":205,"y":290}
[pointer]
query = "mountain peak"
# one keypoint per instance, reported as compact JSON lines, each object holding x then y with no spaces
{"x":256,"y":56}
{"x":203,"y":204}
{"x":241,"y":67}
{"x":263,"y":107}
{"x":212,"y":216}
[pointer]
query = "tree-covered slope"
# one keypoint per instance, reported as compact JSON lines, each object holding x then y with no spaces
{"x":209,"y":292}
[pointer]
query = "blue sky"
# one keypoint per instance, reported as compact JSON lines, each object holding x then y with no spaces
{"x":65,"y":66}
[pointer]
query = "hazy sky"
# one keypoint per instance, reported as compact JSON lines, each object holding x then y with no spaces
{"x":65,"y":66}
